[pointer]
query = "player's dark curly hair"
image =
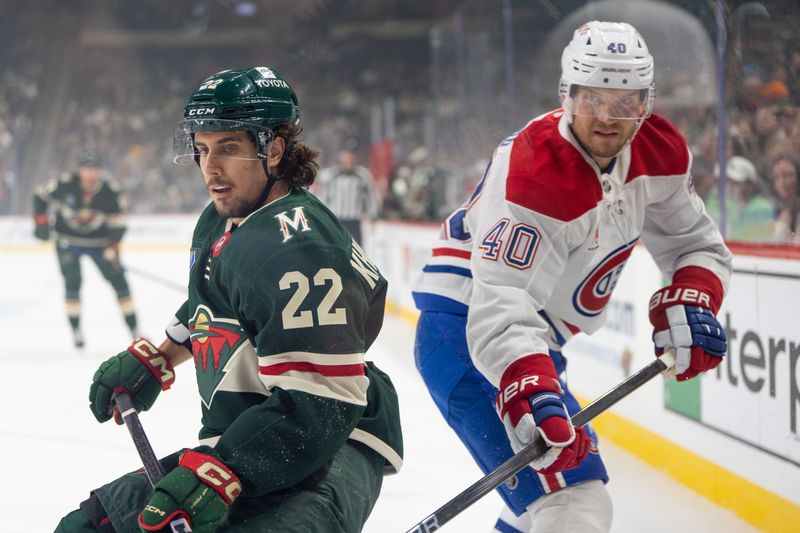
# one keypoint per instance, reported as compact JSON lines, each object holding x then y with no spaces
{"x":299,"y":163}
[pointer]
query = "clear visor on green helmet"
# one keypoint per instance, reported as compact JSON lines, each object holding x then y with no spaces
{"x":186,"y":151}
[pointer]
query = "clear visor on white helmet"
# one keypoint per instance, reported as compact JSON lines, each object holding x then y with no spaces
{"x":612,"y":58}
{"x":238,"y":145}
{"x":608,"y":104}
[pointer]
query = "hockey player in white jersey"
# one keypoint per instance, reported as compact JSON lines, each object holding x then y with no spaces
{"x":532,"y":259}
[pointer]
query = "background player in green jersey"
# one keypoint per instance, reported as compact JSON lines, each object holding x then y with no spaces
{"x":89,"y":220}
{"x":298,"y":428}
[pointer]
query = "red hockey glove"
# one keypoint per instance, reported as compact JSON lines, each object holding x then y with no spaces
{"x":200,"y":489}
{"x":531,"y":405}
{"x":684,"y":318}
{"x":142,"y":370}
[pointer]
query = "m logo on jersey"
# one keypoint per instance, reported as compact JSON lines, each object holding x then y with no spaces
{"x":214,"y":342}
{"x":298,"y":222}
{"x":592,"y":295}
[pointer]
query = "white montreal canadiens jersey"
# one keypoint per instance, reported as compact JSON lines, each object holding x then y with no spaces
{"x":533,"y":257}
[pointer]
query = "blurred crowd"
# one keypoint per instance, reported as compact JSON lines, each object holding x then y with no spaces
{"x":125,"y":102}
{"x":763,"y":138}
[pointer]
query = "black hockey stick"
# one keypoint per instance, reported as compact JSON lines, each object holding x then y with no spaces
{"x":97,"y":254}
{"x":156,"y":279}
{"x":152,"y":467}
{"x":520,"y":460}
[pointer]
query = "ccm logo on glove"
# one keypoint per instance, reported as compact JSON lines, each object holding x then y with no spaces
{"x":674,"y":295}
{"x":154,"y":360}
{"x":214,"y":474}
{"x":154,"y":509}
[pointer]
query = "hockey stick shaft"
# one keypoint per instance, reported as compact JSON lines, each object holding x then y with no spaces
{"x":152,"y":467}
{"x":521,"y":459}
{"x":97,"y":255}
{"x":156,"y":279}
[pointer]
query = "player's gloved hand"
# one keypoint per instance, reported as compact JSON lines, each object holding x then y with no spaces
{"x":42,"y":228}
{"x":141,"y":370}
{"x":200,"y":490}
{"x":531,"y":405}
{"x":684,"y":318}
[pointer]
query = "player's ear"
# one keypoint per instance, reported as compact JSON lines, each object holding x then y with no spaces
{"x":276,"y":150}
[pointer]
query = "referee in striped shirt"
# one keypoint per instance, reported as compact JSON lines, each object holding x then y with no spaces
{"x":346,"y":189}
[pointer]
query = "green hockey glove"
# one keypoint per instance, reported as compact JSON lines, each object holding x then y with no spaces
{"x":41,"y":230}
{"x":200,"y":489}
{"x":141,"y":370}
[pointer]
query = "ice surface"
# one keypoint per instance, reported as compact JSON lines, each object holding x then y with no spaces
{"x":54,"y":451}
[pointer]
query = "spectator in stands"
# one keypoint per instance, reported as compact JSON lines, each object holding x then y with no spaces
{"x":787,"y":202}
{"x":749,"y":213}
{"x":347,"y":189}
{"x":705,"y":185}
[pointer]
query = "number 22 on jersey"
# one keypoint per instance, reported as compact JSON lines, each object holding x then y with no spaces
{"x":325,"y":314}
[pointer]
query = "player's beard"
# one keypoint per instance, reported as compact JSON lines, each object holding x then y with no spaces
{"x":240,"y":207}
{"x":238,"y":210}
{"x":598,"y":147}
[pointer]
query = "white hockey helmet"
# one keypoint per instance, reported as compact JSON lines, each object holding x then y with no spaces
{"x":609,"y":55}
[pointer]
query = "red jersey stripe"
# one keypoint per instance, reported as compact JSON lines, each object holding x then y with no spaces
{"x":325,"y":370}
{"x":464,"y":254}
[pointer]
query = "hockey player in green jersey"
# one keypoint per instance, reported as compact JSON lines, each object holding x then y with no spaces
{"x":298,"y":429}
{"x":89,"y":220}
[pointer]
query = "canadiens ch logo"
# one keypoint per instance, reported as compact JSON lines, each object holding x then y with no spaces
{"x":592,"y":295}
{"x":215,"y":341}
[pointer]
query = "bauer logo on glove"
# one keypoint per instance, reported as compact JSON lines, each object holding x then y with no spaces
{"x":684,"y":318}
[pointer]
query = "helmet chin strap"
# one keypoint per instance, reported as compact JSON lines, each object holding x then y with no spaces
{"x":271,"y":179}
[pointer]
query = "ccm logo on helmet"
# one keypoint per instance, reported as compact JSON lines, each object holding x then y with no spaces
{"x":198,"y":111}
{"x":680,"y":295}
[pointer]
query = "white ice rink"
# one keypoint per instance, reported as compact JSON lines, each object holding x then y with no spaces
{"x":54,"y":452}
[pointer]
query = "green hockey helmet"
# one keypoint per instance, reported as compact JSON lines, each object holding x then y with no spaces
{"x":89,"y":158}
{"x":256,"y":100}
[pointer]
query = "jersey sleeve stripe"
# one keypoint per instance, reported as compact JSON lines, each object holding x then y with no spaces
{"x":312,"y":357}
{"x":379,"y":446}
{"x":349,"y":389}
{"x":116,"y":221}
{"x":325,"y":370}
{"x":447,"y":269}
{"x":464,"y":254}
{"x":337,"y":376}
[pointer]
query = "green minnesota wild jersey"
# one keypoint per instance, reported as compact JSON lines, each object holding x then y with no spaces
{"x":280,"y":313}
{"x":92,"y":219}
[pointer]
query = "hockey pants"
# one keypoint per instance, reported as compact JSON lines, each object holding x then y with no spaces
{"x":337,"y":498}
{"x":466,"y":400}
